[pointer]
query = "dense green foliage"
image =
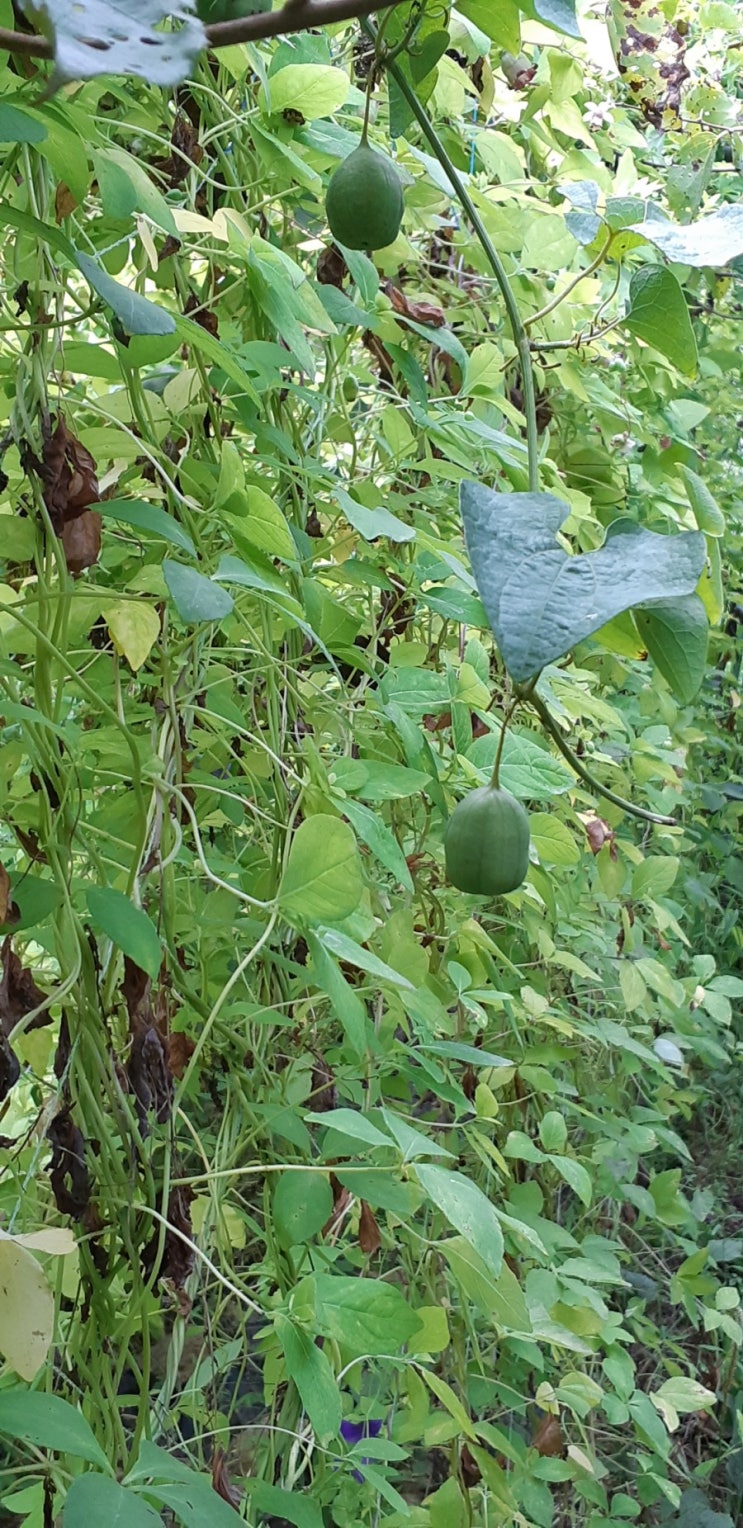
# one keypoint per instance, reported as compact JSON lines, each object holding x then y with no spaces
{"x":329,"y":1193}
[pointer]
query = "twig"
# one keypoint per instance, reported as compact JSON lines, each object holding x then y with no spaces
{"x":295,"y":16}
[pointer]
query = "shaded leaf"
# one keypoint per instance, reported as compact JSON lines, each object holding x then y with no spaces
{"x":31,"y":1416}
{"x":136,"y":314}
{"x":675,"y":633}
{"x":658,"y":314}
{"x":127,"y":926}
{"x":97,"y":1499}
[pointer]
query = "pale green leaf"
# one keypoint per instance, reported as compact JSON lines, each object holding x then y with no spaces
{"x":322,"y":881}
{"x":466,"y":1208}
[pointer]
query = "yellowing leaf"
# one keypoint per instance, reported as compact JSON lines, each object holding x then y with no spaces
{"x":134,"y":629}
{"x":316,"y":90}
{"x":26,"y":1310}
{"x":58,"y":1241}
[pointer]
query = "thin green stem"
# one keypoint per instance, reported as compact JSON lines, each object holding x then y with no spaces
{"x":550,"y":726}
{"x":518,"y":330}
{"x":508,"y":713}
{"x":576,"y":281}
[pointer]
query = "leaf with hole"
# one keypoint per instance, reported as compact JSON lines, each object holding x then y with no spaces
{"x":96,"y":37}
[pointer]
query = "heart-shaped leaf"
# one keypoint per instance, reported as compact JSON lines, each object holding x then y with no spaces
{"x":658,"y":315}
{"x":540,"y":601}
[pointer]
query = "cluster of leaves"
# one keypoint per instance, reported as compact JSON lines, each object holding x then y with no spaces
{"x":391,"y":1205}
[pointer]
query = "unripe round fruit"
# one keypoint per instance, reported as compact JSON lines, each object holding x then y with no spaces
{"x":487,"y":843}
{"x":364,"y":201}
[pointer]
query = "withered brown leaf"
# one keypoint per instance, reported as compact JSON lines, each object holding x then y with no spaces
{"x":370,"y":1236}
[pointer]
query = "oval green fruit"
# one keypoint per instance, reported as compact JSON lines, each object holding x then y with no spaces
{"x":364,"y":201}
{"x":487,"y":843}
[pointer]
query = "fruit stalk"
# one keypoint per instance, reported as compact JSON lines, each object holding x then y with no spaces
{"x":520,"y":336}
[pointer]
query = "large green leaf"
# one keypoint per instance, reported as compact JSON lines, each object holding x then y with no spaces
{"x":32,"y":1416}
{"x":97,"y":1499}
{"x":465,"y":1207}
{"x":499,"y":20}
{"x":302,"y":1203}
{"x":658,"y":315}
{"x":322,"y":881}
{"x":540,"y":601}
{"x":675,"y":633}
{"x":128,"y":926}
{"x":366,"y":1316}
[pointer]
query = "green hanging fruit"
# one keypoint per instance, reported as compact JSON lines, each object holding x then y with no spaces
{"x":364,"y":201}
{"x":487,"y":843}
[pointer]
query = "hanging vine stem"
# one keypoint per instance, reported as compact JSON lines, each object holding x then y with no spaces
{"x":507,"y":714}
{"x":518,"y":329}
{"x":576,"y":764}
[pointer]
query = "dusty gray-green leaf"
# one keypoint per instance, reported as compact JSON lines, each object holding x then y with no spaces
{"x":558,"y":14}
{"x":94,"y":37}
{"x":714,"y":240}
{"x":135,"y":313}
{"x":675,"y":634}
{"x":540,"y":601}
{"x":658,"y":315}
{"x":195,"y":597}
